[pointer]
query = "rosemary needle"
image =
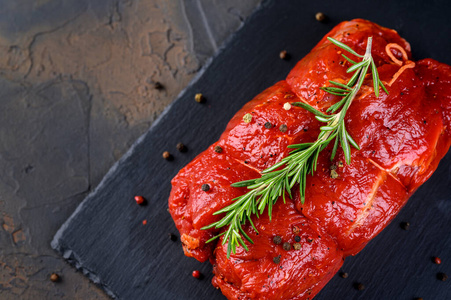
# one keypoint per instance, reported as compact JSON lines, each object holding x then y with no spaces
{"x":279,"y":179}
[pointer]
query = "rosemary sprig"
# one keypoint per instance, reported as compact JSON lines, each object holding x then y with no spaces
{"x":279,"y":179}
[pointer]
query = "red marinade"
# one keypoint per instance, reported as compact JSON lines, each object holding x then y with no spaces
{"x":402,"y":137}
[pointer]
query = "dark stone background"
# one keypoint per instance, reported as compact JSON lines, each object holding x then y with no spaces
{"x":76,"y":90}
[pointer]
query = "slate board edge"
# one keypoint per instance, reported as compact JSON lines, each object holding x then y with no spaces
{"x":69,"y":255}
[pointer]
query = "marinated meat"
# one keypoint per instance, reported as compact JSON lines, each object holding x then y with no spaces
{"x":402,"y":136}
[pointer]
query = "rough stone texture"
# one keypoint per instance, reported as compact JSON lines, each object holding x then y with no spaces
{"x":76,"y":90}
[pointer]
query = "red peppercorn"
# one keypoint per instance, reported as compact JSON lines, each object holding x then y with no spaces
{"x":196,"y":274}
{"x":437,"y":260}
{"x":144,"y":222}
{"x":139,"y":199}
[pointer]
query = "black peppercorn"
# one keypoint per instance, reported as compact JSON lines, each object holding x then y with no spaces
{"x":283,"y":128}
{"x":205,"y":187}
{"x":405,"y":225}
{"x":181,"y":147}
{"x":157,"y":86}
{"x":268,"y":125}
{"x":276,"y":259}
{"x":359,"y":286}
{"x":166,"y":155}
{"x":442,"y":276}
{"x":277,"y":240}
{"x":320,"y":17}
{"x":344,"y":275}
{"x":172,"y":237}
{"x":218,"y":149}
{"x":297,"y":238}
{"x":284,"y":55}
{"x":286,"y":246}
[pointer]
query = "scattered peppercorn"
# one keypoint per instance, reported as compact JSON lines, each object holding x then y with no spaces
{"x":286,"y":246}
{"x":344,"y":275}
{"x":196,"y":274}
{"x":218,"y":149}
{"x":333,"y":174}
{"x":54,"y":277}
{"x":247,"y":118}
{"x":333,"y":167}
{"x":172,"y":237}
{"x":359,"y":286}
{"x":297,"y":238}
{"x":437,"y":260}
{"x":276,"y":259}
{"x":284,"y":54}
{"x":199,"y":98}
{"x":277,"y":240}
{"x":181,"y":147}
{"x":283,"y":128}
{"x":140,"y":200}
{"x":287,"y":106}
{"x":296,"y":229}
{"x":442,"y":276}
{"x":320,"y":17}
{"x":297,"y":246}
{"x":166,"y":155}
{"x":205,"y":187}
{"x":405,"y":225}
{"x":144,"y":222}
{"x":268,"y":125}
{"x":157,"y":86}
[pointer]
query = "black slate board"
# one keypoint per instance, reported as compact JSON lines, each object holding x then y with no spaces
{"x":105,"y":237}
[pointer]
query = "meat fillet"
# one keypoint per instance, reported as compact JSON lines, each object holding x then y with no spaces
{"x":402,"y":136}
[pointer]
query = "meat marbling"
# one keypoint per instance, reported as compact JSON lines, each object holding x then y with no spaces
{"x":402,"y":137}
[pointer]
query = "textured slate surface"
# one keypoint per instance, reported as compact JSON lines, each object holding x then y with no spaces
{"x":106,"y":239}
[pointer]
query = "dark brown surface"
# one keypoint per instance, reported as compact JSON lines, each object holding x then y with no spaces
{"x":77,"y":87}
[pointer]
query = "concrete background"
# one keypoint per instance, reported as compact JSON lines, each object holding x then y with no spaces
{"x":77,"y":88}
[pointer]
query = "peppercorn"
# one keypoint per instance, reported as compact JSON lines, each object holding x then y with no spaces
{"x":218,"y":149}
{"x":205,"y":187}
{"x":140,"y":200}
{"x":54,"y":277}
{"x":297,"y":246}
{"x":442,"y":276}
{"x":359,"y":286}
{"x":297,"y":238}
{"x":296,"y":229}
{"x":340,"y":164}
{"x":320,"y":17}
{"x":286,"y":246}
{"x":277,"y":240}
{"x":196,"y":274}
{"x":284,"y":54}
{"x":157,"y":86}
{"x":283,"y":128}
{"x":333,"y":174}
{"x":276,"y":259}
{"x":405,"y":225}
{"x":181,"y":147}
{"x":166,"y":155}
{"x":268,"y":125}
{"x":437,"y":260}
{"x":344,"y":275}
{"x":247,"y":118}
{"x":172,"y":237}
{"x":144,"y":222}
{"x":199,"y":98}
